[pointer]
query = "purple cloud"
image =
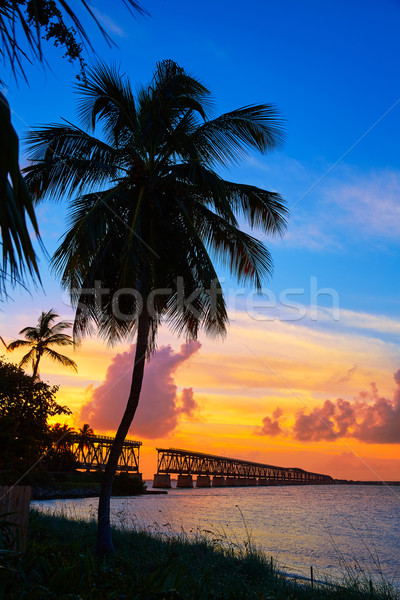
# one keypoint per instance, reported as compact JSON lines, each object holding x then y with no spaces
{"x":160,"y":405}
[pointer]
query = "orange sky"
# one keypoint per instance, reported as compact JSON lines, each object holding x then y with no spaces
{"x":260,"y":366}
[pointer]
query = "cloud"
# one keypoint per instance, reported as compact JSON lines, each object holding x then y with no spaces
{"x":108,"y":22}
{"x":348,"y":375}
{"x":160,"y":406}
{"x":371,"y":201}
{"x":348,"y":206}
{"x":370,"y":418}
{"x":270,"y":426}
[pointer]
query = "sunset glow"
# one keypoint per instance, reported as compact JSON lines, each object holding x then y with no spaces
{"x":327,"y":326}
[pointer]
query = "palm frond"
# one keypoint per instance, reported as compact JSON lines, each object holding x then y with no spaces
{"x":262,"y":209}
{"x":61,"y":359}
{"x":31,"y":333}
{"x":246,"y":257}
{"x":16,"y":208}
{"x":35,"y":24}
{"x":60,"y":339}
{"x":68,"y":160}
{"x":16,"y":344}
{"x":194,"y":179}
{"x":28,"y":359}
{"x":228,"y":138}
{"x":106,"y":96}
{"x":173,"y":89}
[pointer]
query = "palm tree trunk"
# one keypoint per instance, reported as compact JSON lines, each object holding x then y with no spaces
{"x":104,"y":539}
{"x":36,"y":366}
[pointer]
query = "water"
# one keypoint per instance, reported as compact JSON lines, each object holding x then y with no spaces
{"x":322,"y":526}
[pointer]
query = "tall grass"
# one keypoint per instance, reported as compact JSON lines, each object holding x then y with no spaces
{"x":59,"y":564}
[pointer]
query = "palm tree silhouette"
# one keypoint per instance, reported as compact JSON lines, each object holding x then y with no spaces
{"x":40,"y":340}
{"x":85,"y":434}
{"x":61,"y":436}
{"x":149,"y":215}
{"x":22,"y":31}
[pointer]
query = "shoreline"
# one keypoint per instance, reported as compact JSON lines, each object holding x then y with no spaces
{"x":151,"y":566}
{"x":48,"y":493}
{"x":77,"y":494}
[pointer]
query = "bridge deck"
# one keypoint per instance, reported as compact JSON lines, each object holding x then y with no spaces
{"x":186,"y":462}
{"x":93,"y":452}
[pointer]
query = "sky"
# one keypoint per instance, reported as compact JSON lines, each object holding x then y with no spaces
{"x":308,"y":373}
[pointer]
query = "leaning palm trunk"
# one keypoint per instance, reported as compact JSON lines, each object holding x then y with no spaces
{"x":104,"y":539}
{"x":169,"y":213}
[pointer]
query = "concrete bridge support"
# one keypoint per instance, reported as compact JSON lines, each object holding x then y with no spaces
{"x":203,"y":481}
{"x":218,"y":481}
{"x":161,"y":480}
{"x":240,"y":481}
{"x":184,"y":481}
{"x":230,"y":481}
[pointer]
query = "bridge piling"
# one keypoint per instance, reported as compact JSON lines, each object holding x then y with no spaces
{"x":230,"y":481}
{"x":184,"y":481}
{"x":162,"y":480}
{"x":203,"y":481}
{"x":218,"y":481}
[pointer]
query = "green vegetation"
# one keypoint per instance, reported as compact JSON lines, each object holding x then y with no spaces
{"x":73,"y":484}
{"x":35,"y":453}
{"x":25,"y":407}
{"x":59,"y":564}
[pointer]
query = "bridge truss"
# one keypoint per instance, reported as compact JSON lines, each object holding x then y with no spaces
{"x":184,"y":462}
{"x":93,"y":452}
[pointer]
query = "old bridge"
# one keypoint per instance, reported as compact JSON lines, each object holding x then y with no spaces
{"x":93,"y":452}
{"x":225,"y":471}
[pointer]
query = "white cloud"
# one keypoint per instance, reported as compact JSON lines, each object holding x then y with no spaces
{"x":108,"y":23}
{"x":370,"y":203}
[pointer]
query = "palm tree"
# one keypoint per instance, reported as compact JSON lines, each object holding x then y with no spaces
{"x":61,"y":437}
{"x":17,"y":213}
{"x":24,"y":24}
{"x":85,"y":434}
{"x":40,"y":340}
{"x":149,"y":215}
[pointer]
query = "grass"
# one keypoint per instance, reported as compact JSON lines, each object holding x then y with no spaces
{"x":59,"y":564}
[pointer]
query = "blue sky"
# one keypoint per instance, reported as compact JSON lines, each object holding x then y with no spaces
{"x":332,"y":70}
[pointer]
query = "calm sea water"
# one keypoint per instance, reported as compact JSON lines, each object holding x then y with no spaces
{"x":322,"y":526}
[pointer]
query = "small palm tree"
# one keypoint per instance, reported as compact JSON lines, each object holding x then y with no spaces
{"x":85,"y":434}
{"x":61,"y":436}
{"x":149,"y":212}
{"x":40,"y":339}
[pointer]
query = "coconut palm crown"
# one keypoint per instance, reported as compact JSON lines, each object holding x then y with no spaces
{"x":147,"y":205}
{"x":40,"y":340}
{"x":150,"y":216}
